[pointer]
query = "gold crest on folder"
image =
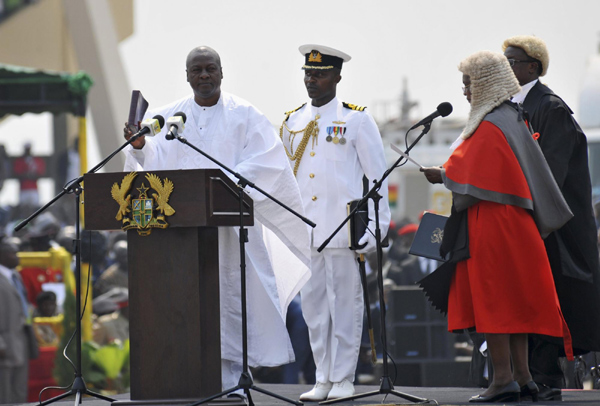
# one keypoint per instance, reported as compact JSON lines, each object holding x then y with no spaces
{"x":437,"y":236}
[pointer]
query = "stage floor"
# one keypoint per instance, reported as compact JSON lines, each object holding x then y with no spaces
{"x":440,"y":396}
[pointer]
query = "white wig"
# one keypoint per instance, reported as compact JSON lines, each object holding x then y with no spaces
{"x":492,"y":83}
{"x":534,"y":47}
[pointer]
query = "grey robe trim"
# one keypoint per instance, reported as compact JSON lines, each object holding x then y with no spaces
{"x":550,"y":210}
{"x":466,"y":195}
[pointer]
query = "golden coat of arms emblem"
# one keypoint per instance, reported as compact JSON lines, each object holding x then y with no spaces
{"x":315,"y":56}
{"x":148,"y":210}
{"x":437,"y":236}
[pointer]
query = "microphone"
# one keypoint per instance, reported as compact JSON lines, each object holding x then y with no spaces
{"x":175,"y":124}
{"x":151,"y":126}
{"x":443,"y":109}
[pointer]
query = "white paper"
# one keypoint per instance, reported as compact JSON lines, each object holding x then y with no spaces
{"x":398,"y":150}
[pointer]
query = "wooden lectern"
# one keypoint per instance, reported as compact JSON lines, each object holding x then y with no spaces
{"x":173,"y":278}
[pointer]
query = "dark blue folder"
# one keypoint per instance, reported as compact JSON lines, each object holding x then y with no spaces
{"x":428,"y":238}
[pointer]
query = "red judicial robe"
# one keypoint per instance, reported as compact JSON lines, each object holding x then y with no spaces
{"x":506,"y":286}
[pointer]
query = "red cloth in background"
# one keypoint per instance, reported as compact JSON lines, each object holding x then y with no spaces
{"x":29,"y":166}
{"x":40,"y":375}
{"x":34,"y":278}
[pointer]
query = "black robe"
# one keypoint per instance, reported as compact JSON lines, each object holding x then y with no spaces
{"x":572,"y":250}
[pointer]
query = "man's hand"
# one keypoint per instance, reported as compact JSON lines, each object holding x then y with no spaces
{"x":369,"y":239}
{"x":137,"y":144}
{"x":433,"y":174}
{"x":2,"y":354}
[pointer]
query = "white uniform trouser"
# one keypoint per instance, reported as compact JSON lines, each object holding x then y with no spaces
{"x":332,"y":305}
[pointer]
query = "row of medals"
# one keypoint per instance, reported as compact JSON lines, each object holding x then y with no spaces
{"x":335,"y":139}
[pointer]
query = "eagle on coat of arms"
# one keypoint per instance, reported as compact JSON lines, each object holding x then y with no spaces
{"x":144,"y":212}
{"x":164,"y":191}
{"x":118,"y":193}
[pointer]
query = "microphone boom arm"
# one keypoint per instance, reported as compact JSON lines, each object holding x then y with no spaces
{"x":243,"y":181}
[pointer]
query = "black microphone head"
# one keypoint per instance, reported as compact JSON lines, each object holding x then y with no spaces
{"x":444,"y":109}
{"x":161,"y":120}
{"x":182,"y":115}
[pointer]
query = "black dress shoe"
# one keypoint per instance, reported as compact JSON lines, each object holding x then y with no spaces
{"x":548,"y":393}
{"x":510,"y":393}
{"x":530,"y":391}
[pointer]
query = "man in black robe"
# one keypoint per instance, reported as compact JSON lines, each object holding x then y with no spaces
{"x":572,"y":250}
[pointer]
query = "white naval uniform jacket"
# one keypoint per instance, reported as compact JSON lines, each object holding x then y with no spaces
{"x":330,"y":175}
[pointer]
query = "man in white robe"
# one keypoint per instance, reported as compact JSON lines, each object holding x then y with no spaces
{"x":239,"y":136}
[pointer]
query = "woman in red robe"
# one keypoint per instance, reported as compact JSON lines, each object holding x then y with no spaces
{"x":497,"y":174}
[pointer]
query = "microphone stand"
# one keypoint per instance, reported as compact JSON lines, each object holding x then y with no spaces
{"x":78,"y":387}
{"x":245,"y":382}
{"x":386,"y":385}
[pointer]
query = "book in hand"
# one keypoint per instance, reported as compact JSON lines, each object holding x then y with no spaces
{"x":357,"y":224}
{"x":428,"y":238}
{"x":137,"y":109}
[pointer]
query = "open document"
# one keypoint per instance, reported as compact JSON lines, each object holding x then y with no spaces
{"x":398,"y":150}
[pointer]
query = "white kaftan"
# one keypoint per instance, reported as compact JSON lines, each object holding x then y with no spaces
{"x":278,"y":255}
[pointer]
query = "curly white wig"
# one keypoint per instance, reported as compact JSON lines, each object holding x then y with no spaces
{"x":534,"y":47}
{"x":492,"y":83}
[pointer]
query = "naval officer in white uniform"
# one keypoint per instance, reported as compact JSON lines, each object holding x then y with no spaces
{"x":331,"y":146}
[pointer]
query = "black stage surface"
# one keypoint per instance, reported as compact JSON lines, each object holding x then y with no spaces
{"x":440,"y":396}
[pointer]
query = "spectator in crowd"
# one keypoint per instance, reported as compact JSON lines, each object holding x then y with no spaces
{"x":40,"y":238}
{"x":112,"y":323}
{"x":94,"y":251}
{"x":405,"y":268}
{"x":68,"y":164}
{"x":117,"y":274}
{"x":46,"y":307}
{"x":28,"y":169}
{"x":43,"y":232}
{"x":17,"y":342}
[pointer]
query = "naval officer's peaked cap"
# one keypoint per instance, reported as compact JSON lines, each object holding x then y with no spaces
{"x":322,"y":57}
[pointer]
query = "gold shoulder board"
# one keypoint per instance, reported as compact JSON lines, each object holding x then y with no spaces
{"x":287,"y":113}
{"x":353,"y":106}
